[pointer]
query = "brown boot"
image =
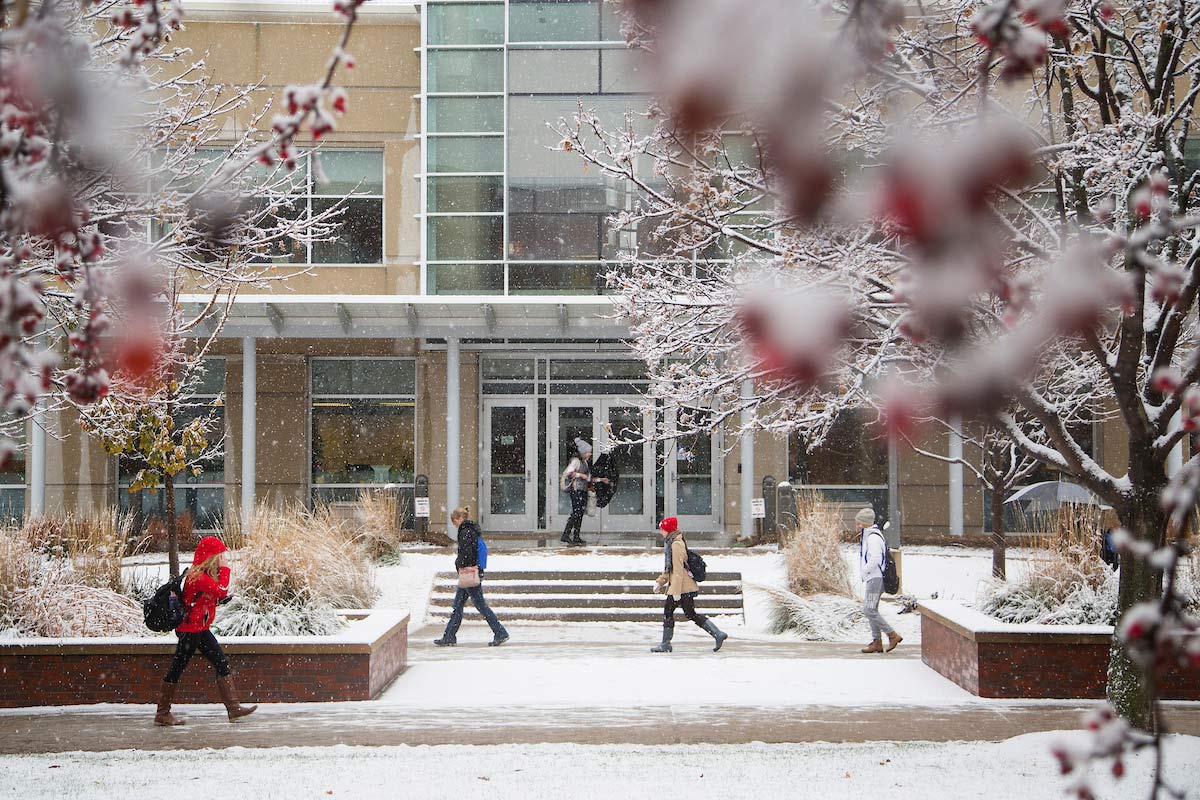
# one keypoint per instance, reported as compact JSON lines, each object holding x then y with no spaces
{"x":163,"y":715}
{"x":229,"y":698}
{"x":874,"y":647}
{"x":893,"y":640}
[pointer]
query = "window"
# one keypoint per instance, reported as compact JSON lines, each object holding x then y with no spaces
{"x":490,"y":153}
{"x":201,"y":498}
{"x":363,"y":427}
{"x":850,"y":466}
{"x":356,"y":175}
{"x":1018,"y":517}
{"x":12,"y":479}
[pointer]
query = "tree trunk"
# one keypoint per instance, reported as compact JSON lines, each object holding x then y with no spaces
{"x":1128,"y":690}
{"x":999,"y":544}
{"x":172,"y":534}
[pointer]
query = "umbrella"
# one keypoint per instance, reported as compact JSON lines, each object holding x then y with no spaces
{"x":1052,"y":494}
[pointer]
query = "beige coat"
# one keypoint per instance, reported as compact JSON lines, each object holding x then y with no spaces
{"x":678,"y":581}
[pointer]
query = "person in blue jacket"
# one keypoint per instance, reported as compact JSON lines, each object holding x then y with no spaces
{"x":468,"y":558}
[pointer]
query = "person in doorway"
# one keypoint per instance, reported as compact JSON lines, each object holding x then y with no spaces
{"x":205,"y":585}
{"x":872,"y":550}
{"x":576,"y":481}
{"x":680,"y":587}
{"x":468,"y":556}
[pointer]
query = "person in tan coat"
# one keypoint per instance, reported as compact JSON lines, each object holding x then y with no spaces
{"x":680,"y":587}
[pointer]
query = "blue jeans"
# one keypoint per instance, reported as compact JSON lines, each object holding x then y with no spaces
{"x":460,"y":602}
{"x":579,"y":502}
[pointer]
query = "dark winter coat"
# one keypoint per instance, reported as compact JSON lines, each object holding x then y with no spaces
{"x":201,"y":595}
{"x":468,"y":545}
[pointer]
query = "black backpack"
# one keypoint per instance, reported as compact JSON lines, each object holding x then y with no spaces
{"x":164,"y":610}
{"x":891,"y":577}
{"x":605,"y":467}
{"x":696,"y":566}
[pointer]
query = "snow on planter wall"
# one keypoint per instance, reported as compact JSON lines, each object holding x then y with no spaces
{"x":991,"y":658}
{"x":356,"y":664}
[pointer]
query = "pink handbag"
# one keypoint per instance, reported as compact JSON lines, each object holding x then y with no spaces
{"x":468,"y":577}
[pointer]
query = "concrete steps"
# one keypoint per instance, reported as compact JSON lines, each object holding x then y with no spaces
{"x":584,"y":596}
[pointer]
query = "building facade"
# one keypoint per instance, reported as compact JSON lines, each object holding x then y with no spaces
{"x":458,"y":328}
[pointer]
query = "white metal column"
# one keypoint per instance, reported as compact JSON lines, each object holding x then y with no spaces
{"x":956,"y":477}
{"x":453,"y":366}
{"x":37,"y":461}
{"x":249,"y":427}
{"x":747,"y":455}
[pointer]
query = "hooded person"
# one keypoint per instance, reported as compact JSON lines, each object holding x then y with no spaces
{"x":872,"y":553}
{"x":680,"y":587}
{"x":575,"y":481}
{"x":205,"y":586}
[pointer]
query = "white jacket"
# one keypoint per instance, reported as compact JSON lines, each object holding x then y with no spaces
{"x":871,"y":551}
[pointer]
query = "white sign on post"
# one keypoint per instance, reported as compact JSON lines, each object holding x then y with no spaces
{"x":758,"y":508}
{"x":421,"y":504}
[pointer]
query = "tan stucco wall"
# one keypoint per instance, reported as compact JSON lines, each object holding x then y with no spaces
{"x":382,"y":113}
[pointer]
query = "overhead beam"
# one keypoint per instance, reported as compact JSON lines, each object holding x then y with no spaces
{"x":275,"y":317}
{"x":344,"y":318}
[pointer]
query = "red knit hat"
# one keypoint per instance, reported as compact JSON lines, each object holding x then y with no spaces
{"x":206,"y":548}
{"x":669,"y":525}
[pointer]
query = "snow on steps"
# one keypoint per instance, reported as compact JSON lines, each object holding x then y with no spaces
{"x":585,"y":596}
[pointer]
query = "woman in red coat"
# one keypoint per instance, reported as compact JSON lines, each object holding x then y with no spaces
{"x":206,"y":585}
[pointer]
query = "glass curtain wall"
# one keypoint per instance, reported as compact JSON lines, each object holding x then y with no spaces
{"x":505,"y":211}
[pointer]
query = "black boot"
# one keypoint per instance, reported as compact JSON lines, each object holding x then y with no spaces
{"x":577,"y":541}
{"x":445,"y":641}
{"x":498,"y":639}
{"x":665,"y":647}
{"x":716,"y":633}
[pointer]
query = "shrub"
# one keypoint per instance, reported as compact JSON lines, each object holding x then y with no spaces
{"x":817,"y":618}
{"x":294,"y":569}
{"x":813,"y":549}
{"x":91,"y":545}
{"x":243,"y":617}
{"x":59,"y":605}
{"x":20,"y":568}
{"x":1070,"y":585}
{"x":379,"y":513}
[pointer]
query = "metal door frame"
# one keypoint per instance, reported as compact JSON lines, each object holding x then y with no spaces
{"x":509,"y":522}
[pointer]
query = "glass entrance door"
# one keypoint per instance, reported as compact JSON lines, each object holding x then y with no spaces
{"x":569,"y":420}
{"x":604,"y":423}
{"x":693,"y":479}
{"x":632,"y":507}
{"x":509,"y":461}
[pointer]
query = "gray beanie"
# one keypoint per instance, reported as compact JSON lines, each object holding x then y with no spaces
{"x":865,"y":516}
{"x":583,"y":447}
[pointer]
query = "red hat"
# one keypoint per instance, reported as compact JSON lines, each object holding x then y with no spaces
{"x":669,"y":525}
{"x":206,"y":548}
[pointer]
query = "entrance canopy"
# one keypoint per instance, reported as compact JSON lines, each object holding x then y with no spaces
{"x":340,"y":316}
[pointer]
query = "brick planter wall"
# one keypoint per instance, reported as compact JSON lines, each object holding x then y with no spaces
{"x":990,"y":658}
{"x":357,"y":664}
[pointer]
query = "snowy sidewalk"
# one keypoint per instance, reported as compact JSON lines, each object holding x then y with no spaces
{"x":581,"y":685}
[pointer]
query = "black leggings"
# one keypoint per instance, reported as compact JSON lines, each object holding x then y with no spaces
{"x":688,"y":603}
{"x":189,"y":643}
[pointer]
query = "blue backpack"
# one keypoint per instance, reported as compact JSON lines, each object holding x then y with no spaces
{"x":481,"y":554}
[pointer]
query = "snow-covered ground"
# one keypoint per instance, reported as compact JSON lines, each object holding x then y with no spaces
{"x":951,"y":573}
{"x":630,"y":680}
{"x":1019,"y":767}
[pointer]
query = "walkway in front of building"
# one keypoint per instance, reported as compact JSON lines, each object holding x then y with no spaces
{"x":594,"y":692}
